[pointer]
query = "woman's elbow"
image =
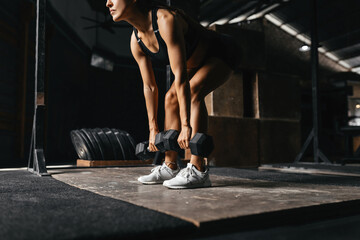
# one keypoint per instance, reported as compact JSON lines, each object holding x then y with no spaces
{"x":181,"y":78}
{"x":150,"y":88}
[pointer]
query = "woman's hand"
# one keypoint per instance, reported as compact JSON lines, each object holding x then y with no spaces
{"x":184,"y":137}
{"x":152,"y":135}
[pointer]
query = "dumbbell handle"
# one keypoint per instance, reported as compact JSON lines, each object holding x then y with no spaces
{"x":167,"y":141}
{"x":148,"y":148}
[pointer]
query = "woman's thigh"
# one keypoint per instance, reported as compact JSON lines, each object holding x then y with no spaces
{"x":210,"y":76}
{"x":207,"y":78}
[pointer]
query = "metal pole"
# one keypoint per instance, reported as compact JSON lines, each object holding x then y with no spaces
{"x":168,"y":68}
{"x":314,"y":134}
{"x":38,"y":157}
{"x":314,"y":77}
{"x":40,"y":50}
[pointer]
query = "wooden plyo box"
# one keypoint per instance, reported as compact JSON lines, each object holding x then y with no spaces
{"x":249,"y":142}
{"x":236,"y":142}
{"x":95,"y":163}
{"x":227,"y":100}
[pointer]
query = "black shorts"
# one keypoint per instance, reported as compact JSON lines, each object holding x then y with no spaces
{"x":225,"y":48}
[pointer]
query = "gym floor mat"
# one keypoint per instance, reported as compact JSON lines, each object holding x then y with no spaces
{"x":35,"y":207}
{"x":237,"y":195}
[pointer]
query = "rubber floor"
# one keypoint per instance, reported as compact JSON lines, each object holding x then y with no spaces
{"x":35,"y":207}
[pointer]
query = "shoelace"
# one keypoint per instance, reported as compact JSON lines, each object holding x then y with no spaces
{"x":157,"y":170}
{"x":186,"y":172}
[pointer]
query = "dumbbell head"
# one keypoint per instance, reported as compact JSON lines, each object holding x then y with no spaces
{"x":201,"y":145}
{"x":159,"y":141}
{"x":170,"y":140}
{"x":142,"y":151}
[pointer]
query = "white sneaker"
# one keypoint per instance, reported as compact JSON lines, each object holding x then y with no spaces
{"x":189,"y":177}
{"x":158,"y":175}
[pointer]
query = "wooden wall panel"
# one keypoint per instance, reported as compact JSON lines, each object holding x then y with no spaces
{"x":235,"y":140}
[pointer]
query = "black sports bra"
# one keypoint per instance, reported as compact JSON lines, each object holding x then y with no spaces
{"x":161,"y":56}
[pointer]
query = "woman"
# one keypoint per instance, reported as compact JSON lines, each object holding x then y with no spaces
{"x":201,"y":60}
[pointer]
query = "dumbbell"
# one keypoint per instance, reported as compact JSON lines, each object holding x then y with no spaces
{"x":170,"y":140}
{"x":171,"y":143}
{"x":142,"y":151}
{"x":164,"y":141}
{"x":167,"y":141}
{"x":159,"y":141}
{"x":201,"y":145}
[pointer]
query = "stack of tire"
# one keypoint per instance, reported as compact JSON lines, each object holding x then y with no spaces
{"x":103,"y":144}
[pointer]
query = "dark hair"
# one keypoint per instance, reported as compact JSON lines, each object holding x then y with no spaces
{"x":146,"y":5}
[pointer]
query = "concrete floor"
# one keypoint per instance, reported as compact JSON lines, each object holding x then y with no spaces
{"x":233,"y":196}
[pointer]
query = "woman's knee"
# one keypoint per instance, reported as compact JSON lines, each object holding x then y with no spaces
{"x":196,"y":96}
{"x":171,"y":101}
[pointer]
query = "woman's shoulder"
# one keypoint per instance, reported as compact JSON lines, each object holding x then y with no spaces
{"x":164,"y":14}
{"x":169,"y":20}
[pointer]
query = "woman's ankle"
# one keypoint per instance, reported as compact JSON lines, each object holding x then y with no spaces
{"x":170,"y":159}
{"x":200,"y":168}
{"x":198,"y":163}
{"x":171,"y":165}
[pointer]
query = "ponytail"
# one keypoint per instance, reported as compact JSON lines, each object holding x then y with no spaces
{"x":146,"y":5}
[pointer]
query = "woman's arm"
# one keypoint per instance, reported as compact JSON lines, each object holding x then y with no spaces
{"x":171,"y":30}
{"x":150,"y":89}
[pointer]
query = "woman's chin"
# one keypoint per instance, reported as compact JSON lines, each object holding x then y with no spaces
{"x":116,"y":19}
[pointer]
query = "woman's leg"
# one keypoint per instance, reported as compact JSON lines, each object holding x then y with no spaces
{"x":172,"y":121}
{"x":210,"y":76}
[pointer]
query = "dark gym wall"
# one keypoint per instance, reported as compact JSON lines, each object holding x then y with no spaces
{"x":66,"y":91}
{"x":283,"y":57}
{"x":10,"y":74}
{"x":269,"y":99}
{"x":74,"y":12}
